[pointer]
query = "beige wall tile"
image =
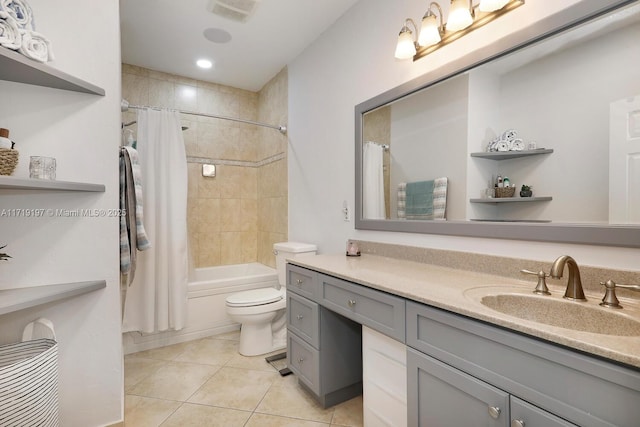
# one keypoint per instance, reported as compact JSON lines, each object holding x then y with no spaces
{"x":208,"y":187}
{"x":161,"y":93}
{"x":186,"y":97}
{"x":209,"y":213}
{"x":209,"y":246}
{"x":135,"y":89}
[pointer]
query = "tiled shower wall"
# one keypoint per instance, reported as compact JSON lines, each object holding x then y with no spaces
{"x":238,"y":215}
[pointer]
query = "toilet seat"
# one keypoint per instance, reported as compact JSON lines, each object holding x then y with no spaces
{"x":254,"y":297}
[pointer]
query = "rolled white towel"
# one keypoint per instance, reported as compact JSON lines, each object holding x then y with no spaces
{"x":20,"y":11}
{"x":35,"y":46}
{"x":10,"y":36}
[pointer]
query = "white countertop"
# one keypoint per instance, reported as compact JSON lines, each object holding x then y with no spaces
{"x":453,"y":290}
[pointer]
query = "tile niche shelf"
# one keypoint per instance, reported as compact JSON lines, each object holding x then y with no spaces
{"x":15,"y":67}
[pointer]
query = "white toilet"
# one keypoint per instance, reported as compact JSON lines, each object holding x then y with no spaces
{"x":262,"y":312}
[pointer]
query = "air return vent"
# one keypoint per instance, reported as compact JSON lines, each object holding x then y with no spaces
{"x":236,"y":10}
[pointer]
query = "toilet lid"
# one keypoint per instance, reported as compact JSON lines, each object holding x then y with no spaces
{"x":254,"y":297}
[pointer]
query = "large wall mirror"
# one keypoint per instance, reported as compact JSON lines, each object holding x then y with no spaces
{"x":555,"y":107}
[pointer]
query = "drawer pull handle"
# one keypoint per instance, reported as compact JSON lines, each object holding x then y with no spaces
{"x":299,"y":317}
{"x":351,"y":302}
{"x":494,"y":412}
{"x":299,"y":282}
{"x":517,"y":423}
{"x":300,"y":359}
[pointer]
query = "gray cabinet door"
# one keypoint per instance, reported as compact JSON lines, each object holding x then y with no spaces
{"x":439,"y":395}
{"x":526,"y":415}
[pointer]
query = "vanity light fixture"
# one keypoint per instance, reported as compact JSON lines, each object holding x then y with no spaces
{"x":463,"y":18}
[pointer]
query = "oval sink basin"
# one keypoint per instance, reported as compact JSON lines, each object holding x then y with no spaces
{"x":577,"y":316}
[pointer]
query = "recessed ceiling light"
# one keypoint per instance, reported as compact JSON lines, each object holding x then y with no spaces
{"x":204,"y":63}
{"x":217,"y":35}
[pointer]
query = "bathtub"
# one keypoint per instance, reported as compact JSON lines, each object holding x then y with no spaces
{"x":207,"y":291}
{"x":230,"y":278}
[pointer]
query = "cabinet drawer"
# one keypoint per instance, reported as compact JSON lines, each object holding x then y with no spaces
{"x":532,"y":416}
{"x":304,"y":361}
{"x":378,"y":310}
{"x":302,"y":281}
{"x":303,"y":318}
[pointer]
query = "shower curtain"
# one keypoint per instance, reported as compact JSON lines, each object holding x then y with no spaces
{"x":156,"y":300}
{"x":373,"y":181}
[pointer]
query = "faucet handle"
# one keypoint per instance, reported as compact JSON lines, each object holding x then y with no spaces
{"x":541,"y":287}
{"x":610,"y":300}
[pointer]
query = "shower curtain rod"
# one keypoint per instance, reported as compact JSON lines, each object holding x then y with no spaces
{"x":124,"y":106}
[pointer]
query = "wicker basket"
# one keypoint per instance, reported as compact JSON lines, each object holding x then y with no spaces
{"x":8,"y":161}
{"x":502,"y":192}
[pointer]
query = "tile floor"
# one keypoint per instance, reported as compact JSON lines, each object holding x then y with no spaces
{"x":208,"y":383}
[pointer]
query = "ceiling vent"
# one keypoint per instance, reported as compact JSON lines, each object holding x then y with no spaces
{"x":236,"y":10}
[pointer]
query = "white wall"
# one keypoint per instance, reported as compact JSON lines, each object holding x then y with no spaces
{"x":82,"y":132}
{"x":350,"y":63}
{"x":419,"y":125}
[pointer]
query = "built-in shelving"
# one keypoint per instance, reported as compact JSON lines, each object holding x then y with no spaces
{"x":504,"y":155}
{"x":512,"y":199}
{"x":11,"y":183}
{"x":12,"y":300}
{"x":18,"y":68}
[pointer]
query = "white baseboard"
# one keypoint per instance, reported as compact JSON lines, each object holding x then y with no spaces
{"x":134,"y":342}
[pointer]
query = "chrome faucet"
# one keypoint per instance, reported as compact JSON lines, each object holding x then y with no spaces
{"x":574,"y":284}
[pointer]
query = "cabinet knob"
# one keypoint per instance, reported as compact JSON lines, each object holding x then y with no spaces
{"x":299,"y":282}
{"x":494,"y":412}
{"x":300,"y":359}
{"x":299,"y":317}
{"x":351,"y":302}
{"x":517,"y":423}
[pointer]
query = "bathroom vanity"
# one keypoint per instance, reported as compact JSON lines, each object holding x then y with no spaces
{"x":466,"y":364}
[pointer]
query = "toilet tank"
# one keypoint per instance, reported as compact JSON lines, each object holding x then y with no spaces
{"x":290,"y":250}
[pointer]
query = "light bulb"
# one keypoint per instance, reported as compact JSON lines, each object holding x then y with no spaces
{"x":204,"y":63}
{"x":459,"y":15}
{"x":405,"y":48}
{"x":429,"y":32}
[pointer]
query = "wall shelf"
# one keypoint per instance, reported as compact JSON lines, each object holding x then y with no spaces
{"x":504,"y":155}
{"x":15,"y":67}
{"x":513,"y":200}
{"x":10,"y":183}
{"x":12,"y":300}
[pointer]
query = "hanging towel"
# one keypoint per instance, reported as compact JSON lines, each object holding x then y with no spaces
{"x":423,"y":199}
{"x":132,"y":232}
{"x":419,"y":200}
{"x":10,"y":36}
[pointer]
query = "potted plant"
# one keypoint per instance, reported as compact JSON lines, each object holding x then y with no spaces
{"x":3,"y":256}
{"x":525,"y":191}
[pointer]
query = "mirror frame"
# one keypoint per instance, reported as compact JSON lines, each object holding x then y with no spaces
{"x":593,"y":234}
